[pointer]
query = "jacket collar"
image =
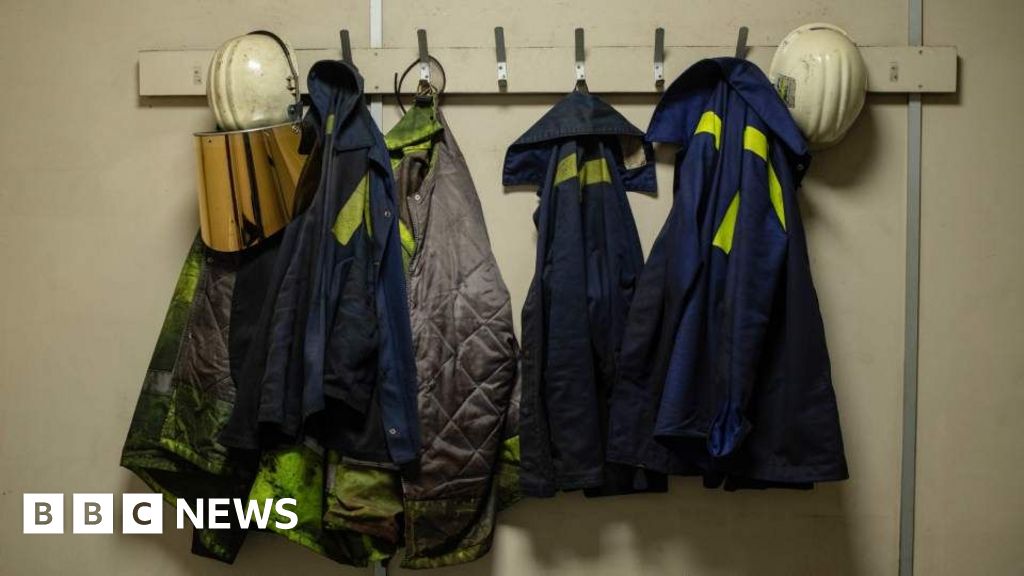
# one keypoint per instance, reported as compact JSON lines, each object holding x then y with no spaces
{"x":679,"y":110}
{"x":414,"y":131}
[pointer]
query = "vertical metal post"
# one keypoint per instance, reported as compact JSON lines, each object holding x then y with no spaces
{"x":908,"y":467}
{"x":377,"y":41}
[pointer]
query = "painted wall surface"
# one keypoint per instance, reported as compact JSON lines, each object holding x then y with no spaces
{"x":98,"y":210}
{"x":970,"y":517}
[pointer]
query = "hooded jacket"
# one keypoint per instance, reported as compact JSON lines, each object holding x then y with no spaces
{"x":465,"y":346}
{"x":724,"y":370}
{"x":331,"y":356}
{"x":582,"y":155}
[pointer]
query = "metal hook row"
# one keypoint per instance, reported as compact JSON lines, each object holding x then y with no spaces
{"x":580,"y":54}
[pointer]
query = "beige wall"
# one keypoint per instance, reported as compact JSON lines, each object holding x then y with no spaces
{"x":971,"y":433}
{"x":97,"y":211}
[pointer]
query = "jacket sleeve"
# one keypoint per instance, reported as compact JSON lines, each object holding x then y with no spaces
{"x":755,"y":265}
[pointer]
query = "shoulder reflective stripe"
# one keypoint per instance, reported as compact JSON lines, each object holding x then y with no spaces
{"x":710,"y":123}
{"x":595,"y":172}
{"x":724,"y":234}
{"x":775,"y":194}
{"x":755,"y":141}
{"x":566,"y":169}
{"x":355,"y":211}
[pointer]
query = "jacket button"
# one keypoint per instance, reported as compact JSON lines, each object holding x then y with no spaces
{"x":387,"y":213}
{"x":417,"y":197}
{"x":393,"y":431}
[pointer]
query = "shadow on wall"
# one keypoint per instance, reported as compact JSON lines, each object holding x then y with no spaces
{"x":842,"y":166}
{"x":759,"y":533}
{"x":842,"y":169}
{"x":762,"y":533}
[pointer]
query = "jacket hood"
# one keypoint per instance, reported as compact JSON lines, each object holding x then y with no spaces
{"x":578,"y":115}
{"x":684,"y":102}
{"x":336,"y":91}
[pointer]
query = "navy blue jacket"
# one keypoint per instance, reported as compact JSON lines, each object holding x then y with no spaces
{"x":582,"y":155}
{"x":332,"y":354}
{"x":724,"y":370}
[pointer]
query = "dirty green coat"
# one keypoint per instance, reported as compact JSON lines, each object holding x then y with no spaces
{"x":187,"y":397}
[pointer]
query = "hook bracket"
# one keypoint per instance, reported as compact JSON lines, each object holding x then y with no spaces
{"x":421,"y":41}
{"x":346,"y":47}
{"x":499,"y":48}
{"x":581,"y":57}
{"x":659,"y":56}
{"x":741,"y":42}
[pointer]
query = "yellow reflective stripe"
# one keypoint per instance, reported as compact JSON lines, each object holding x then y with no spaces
{"x":355,"y":211}
{"x":329,"y":128}
{"x":710,"y":123}
{"x":367,"y":212}
{"x":595,"y":172}
{"x":726,"y":230}
{"x":566,"y":169}
{"x":775,"y":194}
{"x":755,"y":141}
{"x":408,"y":242}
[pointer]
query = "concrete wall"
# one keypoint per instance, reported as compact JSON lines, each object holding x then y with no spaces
{"x":98,"y":209}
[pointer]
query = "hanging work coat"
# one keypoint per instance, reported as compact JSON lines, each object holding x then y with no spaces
{"x":187,"y":398}
{"x":724,"y":371}
{"x":583,"y":156}
{"x":465,"y":346}
{"x":331,"y":356}
{"x":188,"y":393}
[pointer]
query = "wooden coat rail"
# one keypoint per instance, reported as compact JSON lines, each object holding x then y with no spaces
{"x":550,"y":69}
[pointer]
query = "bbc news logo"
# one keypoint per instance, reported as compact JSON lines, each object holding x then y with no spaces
{"x":144,"y":513}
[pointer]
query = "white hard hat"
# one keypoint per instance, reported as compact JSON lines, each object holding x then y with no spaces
{"x":253,"y":82}
{"x":820,"y":74}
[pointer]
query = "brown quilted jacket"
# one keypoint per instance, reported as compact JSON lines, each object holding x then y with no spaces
{"x":465,"y":347}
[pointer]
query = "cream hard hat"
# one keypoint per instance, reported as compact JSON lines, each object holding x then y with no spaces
{"x":253,"y":82}
{"x":821,"y":76}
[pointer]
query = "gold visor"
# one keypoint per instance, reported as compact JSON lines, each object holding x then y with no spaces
{"x":246,"y":181}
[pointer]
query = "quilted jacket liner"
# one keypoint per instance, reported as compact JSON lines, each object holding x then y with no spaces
{"x":465,"y":347}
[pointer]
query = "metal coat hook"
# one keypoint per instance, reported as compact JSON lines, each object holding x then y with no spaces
{"x":499,"y":48}
{"x":581,"y":62}
{"x":421,"y":40}
{"x":659,"y":57}
{"x":741,"y":43}
{"x":346,"y":48}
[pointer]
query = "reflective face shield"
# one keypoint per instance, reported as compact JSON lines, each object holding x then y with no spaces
{"x":246,"y":181}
